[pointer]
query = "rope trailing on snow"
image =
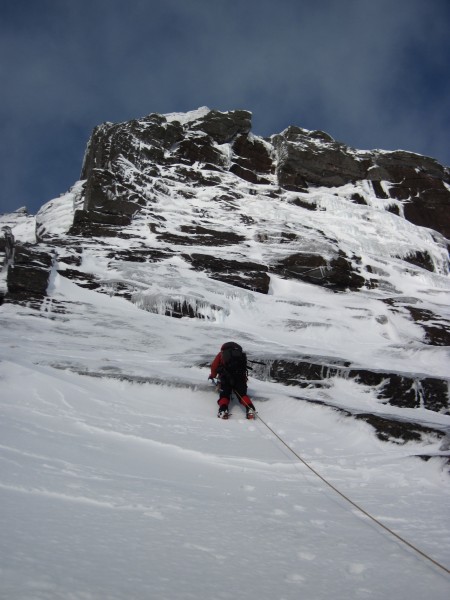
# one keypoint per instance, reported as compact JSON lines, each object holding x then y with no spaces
{"x":354,"y":504}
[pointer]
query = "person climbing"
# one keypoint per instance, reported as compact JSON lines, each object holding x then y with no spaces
{"x":230,"y":366}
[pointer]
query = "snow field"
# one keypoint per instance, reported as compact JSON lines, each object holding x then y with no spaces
{"x":112,"y":489}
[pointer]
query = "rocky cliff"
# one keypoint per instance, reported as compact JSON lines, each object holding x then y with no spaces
{"x":200,"y":189}
{"x":123,"y":160}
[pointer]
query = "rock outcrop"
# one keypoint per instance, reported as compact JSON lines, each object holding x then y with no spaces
{"x":122,"y":161}
{"x":29,"y":274}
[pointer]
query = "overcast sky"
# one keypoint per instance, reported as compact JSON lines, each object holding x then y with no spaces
{"x":372,"y":73}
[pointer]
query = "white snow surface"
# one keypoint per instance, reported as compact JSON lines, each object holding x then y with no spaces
{"x":119,"y":482}
{"x":188,"y":117}
{"x":119,"y":489}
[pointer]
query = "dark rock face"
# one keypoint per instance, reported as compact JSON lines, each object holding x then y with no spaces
{"x":140,"y":141}
{"x":393,"y":388}
{"x":399,"y":432}
{"x":246,"y":275}
{"x":98,"y":224}
{"x":252,"y":154}
{"x":337,"y":273}
{"x":199,"y":149}
{"x":301,"y":161}
{"x":419,"y":182}
{"x":416,"y":180}
{"x":29,"y":275}
{"x":112,"y":196}
{"x":194,"y":235}
{"x":436,"y":327}
{"x":251,"y":160}
{"x":224,"y":127}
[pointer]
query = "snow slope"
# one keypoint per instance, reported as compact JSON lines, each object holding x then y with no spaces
{"x":132,"y":488}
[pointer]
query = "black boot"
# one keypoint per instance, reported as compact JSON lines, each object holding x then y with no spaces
{"x":223,"y":412}
{"x":251,"y":412}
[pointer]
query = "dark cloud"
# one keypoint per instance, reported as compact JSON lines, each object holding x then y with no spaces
{"x":372,"y":74}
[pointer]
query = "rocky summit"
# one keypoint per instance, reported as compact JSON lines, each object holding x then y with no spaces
{"x":193,"y":216}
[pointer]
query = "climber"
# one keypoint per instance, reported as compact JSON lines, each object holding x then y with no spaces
{"x":230,"y":366}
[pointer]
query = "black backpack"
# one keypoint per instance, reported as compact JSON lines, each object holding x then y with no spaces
{"x":234,"y":360}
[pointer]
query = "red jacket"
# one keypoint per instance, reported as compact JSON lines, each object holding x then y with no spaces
{"x":216,"y":363}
